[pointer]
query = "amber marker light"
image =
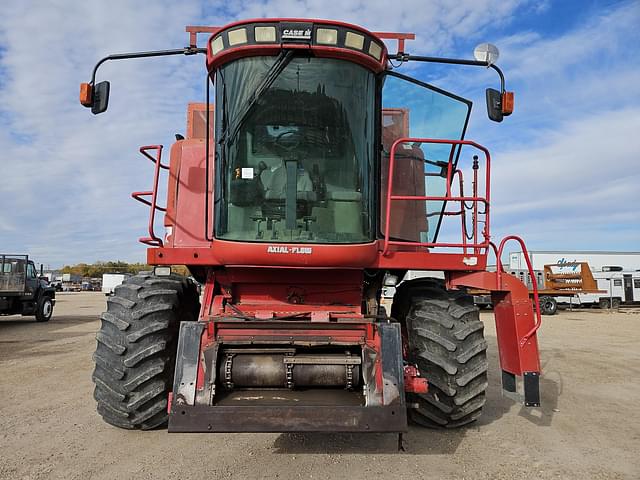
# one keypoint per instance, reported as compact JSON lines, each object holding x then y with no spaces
{"x":507,"y":103}
{"x":85,"y":94}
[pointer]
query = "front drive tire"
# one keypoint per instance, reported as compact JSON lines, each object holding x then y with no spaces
{"x":136,"y":349}
{"x":44,"y":309}
{"x":446,"y":341}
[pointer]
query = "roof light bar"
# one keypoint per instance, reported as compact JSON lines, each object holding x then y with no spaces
{"x":308,"y":33}
{"x":216,"y":45}
{"x":354,"y":40}
{"x":237,"y":37}
{"x":375,"y":50}
{"x":265,"y":34}
{"x":327,"y":36}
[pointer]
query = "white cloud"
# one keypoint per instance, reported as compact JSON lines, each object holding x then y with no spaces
{"x":585,"y":174}
{"x":567,"y":176}
{"x":565,"y":164}
{"x":437,"y":24}
{"x":68,"y":182}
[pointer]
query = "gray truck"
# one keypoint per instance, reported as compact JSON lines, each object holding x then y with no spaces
{"x":22,"y":291}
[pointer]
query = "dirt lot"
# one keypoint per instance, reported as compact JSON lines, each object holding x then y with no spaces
{"x":588,"y":427}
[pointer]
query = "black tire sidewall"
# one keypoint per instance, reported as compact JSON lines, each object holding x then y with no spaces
{"x":439,"y":408}
{"x":128,"y":305}
{"x":40,"y":316}
{"x":548,"y":306}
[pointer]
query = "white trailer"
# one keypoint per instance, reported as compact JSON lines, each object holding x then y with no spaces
{"x":597,"y":260}
{"x":622,"y":288}
{"x":111,"y":280}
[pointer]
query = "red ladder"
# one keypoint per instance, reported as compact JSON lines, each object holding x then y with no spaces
{"x":152,"y":240}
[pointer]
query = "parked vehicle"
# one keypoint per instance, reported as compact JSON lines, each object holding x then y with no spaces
{"x":597,"y":260}
{"x":22,"y":292}
{"x":619,"y":288}
{"x":111,"y":280}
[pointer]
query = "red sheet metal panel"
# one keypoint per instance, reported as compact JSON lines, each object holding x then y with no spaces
{"x":188,"y":229}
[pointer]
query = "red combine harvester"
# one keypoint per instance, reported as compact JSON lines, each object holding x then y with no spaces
{"x":318,"y":175}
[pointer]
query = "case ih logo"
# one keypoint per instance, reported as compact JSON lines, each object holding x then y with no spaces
{"x":298,"y":34}
{"x":296,"y":31}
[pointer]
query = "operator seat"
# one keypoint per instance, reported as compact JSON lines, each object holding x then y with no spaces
{"x":275,"y":183}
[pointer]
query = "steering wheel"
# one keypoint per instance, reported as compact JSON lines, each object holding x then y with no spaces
{"x":288,"y":141}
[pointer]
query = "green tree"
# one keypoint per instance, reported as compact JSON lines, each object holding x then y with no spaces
{"x":97,"y":269}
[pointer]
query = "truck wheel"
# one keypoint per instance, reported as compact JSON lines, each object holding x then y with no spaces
{"x":136,"y":348}
{"x":548,"y":305}
{"x":615,"y":304}
{"x":446,"y":341}
{"x":44,"y":309}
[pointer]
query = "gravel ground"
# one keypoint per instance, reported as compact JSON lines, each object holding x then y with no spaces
{"x":588,"y":426}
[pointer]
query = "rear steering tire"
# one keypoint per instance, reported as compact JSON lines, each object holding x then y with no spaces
{"x":136,"y":348}
{"x":446,"y":341}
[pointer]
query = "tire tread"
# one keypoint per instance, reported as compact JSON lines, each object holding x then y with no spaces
{"x":136,"y":347}
{"x":446,"y":341}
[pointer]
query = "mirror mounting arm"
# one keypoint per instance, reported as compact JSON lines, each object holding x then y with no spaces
{"x":404,"y":57}
{"x":156,"y":53}
{"x":499,"y":103}
{"x":96,"y":96}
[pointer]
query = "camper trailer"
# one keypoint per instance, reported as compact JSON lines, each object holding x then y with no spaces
{"x":622,"y":288}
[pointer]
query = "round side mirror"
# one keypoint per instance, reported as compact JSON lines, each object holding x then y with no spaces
{"x":486,"y":52}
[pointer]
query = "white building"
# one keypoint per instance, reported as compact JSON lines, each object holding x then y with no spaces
{"x":629,"y":261}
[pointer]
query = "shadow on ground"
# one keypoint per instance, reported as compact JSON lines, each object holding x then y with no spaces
{"x":423,"y":441}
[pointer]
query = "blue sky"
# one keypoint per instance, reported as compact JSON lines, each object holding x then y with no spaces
{"x":565,"y":164}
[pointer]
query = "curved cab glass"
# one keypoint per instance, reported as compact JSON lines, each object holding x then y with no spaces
{"x":296,"y":147}
{"x":414,"y":109}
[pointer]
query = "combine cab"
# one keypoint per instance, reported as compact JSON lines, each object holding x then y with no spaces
{"x":317,"y":176}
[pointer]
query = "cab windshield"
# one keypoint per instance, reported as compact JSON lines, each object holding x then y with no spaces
{"x":296,"y":147}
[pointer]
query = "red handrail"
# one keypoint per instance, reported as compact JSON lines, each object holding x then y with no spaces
{"x":152,"y":239}
{"x":448,"y":197}
{"x":535,"y":328}
{"x":462,"y":212}
{"x":463,"y":217}
{"x":495,"y":252}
